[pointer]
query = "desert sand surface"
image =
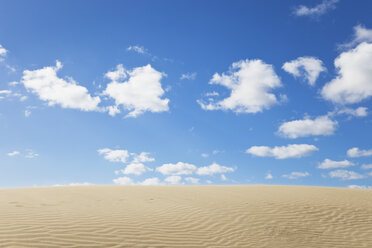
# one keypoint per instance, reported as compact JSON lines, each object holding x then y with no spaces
{"x":185,"y":216}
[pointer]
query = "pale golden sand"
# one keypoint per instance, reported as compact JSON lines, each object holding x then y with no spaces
{"x":186,"y":216}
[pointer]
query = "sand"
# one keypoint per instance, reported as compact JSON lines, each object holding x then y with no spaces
{"x":186,"y":216}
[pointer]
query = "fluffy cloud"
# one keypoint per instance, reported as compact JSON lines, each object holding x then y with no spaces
{"x":251,"y":83}
{"x":213,"y":169}
{"x":358,"y":112}
{"x":135,"y":169}
{"x":359,"y":187}
{"x":361,"y":34}
{"x":307,"y":67}
{"x":317,"y":10}
{"x":137,"y":49}
{"x":14,"y":153}
{"x":282,"y":152}
{"x":355,"y":152}
{"x":296,"y":175}
{"x":269,"y":176}
{"x":5,"y":93}
{"x":55,"y":90}
{"x":141,"y":92}
{"x":188,"y":76}
{"x":330,"y":164}
{"x":192,"y":180}
{"x":176,"y":169}
{"x":150,"y":181}
{"x":123,"y":181}
{"x":114,"y":155}
{"x":142,"y":157}
{"x":366,"y":166}
{"x":345,"y":175}
{"x":353,"y":82}
{"x":321,"y":125}
{"x":3,"y":52}
{"x":173,"y":180}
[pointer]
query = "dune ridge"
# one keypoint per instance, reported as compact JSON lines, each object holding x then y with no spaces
{"x":185,"y":216}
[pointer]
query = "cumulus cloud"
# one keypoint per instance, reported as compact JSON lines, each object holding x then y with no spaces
{"x":176,"y":169}
{"x":250,"y":83}
{"x":142,"y":157}
{"x":359,"y":187}
{"x":317,"y":10}
{"x":269,"y":176}
{"x":14,"y":153}
{"x":358,"y":112}
{"x":137,"y":49}
{"x":188,"y":76}
{"x":296,"y":175}
{"x":366,"y":166}
{"x":192,"y":180}
{"x":114,"y":155}
{"x":173,"y":180}
{"x":150,"y":181}
{"x":123,"y":181}
{"x":213,"y":169}
{"x":330,"y":164}
{"x":73,"y":184}
{"x":3,"y":52}
{"x":138,"y":90}
{"x":135,"y":169}
{"x":283,"y":152}
{"x":345,"y":175}
{"x":58,"y":91}
{"x":306,"y":67}
{"x":353,"y":82}
{"x":355,"y":152}
{"x":361,"y":34}
{"x":321,"y":125}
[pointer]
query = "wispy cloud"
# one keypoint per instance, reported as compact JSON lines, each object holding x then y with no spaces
{"x":317,"y":10}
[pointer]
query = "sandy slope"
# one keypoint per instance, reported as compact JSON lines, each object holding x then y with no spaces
{"x":188,"y":216}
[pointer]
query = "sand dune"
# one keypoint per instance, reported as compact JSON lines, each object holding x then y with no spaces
{"x":185,"y":216}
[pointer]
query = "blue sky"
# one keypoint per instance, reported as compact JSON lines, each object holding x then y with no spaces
{"x":186,"y":92}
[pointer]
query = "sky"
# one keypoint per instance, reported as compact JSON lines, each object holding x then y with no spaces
{"x":186,"y":93}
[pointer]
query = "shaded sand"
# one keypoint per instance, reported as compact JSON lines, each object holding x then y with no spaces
{"x":186,"y":216}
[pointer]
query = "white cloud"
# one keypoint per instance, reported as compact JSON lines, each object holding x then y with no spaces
{"x":142,"y":157}
{"x":366,"y":166}
{"x":151,"y":181}
{"x":296,"y":175}
{"x":188,"y":76}
{"x":213,"y":169}
{"x":251,"y":83}
{"x":31,"y":154}
{"x":140,"y":93}
{"x":27,"y":113}
{"x":321,"y":125}
{"x":123,"y":181}
{"x":3,"y":52}
{"x":135,"y":169}
{"x":176,"y":169}
{"x":283,"y":152}
{"x":355,"y":152}
{"x":5,"y":92}
{"x":14,"y":153}
{"x":345,"y":175}
{"x":137,"y":49}
{"x":269,"y":176}
{"x":361,"y":34}
{"x":73,"y":184}
{"x":353,"y":82}
{"x":114,"y":155}
{"x":359,"y":187}
{"x":307,"y":67}
{"x":173,"y":180}
{"x":223,"y":177}
{"x":213,"y":93}
{"x":55,"y":90}
{"x":317,"y":10}
{"x":358,"y":112}
{"x":330,"y":164}
{"x":204,"y":155}
{"x":192,"y":180}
